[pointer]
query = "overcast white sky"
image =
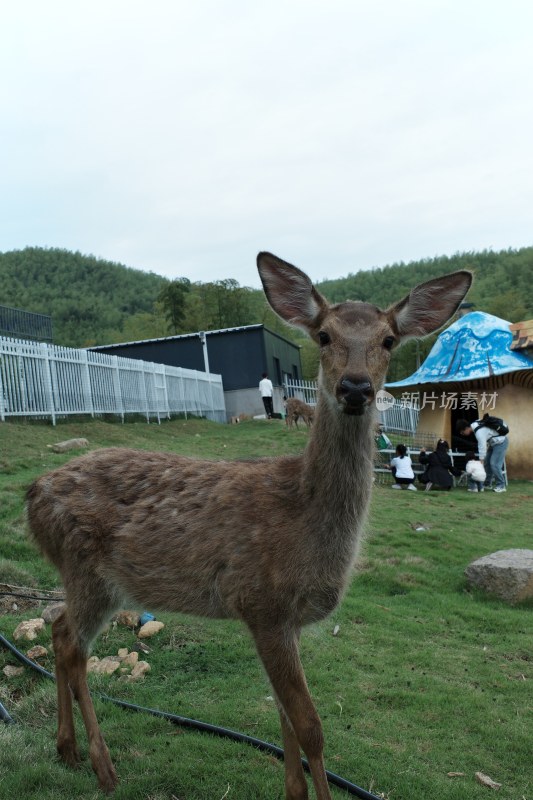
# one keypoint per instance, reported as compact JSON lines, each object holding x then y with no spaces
{"x":183,"y":137}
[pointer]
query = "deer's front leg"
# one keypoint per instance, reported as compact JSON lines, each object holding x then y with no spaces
{"x":295,"y":783}
{"x":278,"y":650}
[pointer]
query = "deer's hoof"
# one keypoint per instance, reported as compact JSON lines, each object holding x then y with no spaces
{"x":107,"y":779}
{"x":69,"y":755}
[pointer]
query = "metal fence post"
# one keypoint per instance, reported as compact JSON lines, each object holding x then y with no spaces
{"x":165,"y":391}
{"x":144,"y":392}
{"x":2,"y":398}
{"x":86,"y":382}
{"x":119,"y":406}
{"x":49,"y":381}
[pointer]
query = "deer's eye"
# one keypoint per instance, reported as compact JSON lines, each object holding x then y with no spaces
{"x":388,"y":342}
{"x":323,"y":338}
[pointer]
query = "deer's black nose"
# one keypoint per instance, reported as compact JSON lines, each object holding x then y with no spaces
{"x":357,"y":393}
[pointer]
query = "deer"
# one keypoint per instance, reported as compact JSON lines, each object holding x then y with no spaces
{"x":295,"y":409}
{"x":270,"y":542}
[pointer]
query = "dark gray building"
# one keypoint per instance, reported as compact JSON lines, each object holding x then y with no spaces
{"x":240,"y":355}
{"x":18,"y":324}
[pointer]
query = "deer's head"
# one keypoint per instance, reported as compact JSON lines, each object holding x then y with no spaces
{"x":356,"y":339}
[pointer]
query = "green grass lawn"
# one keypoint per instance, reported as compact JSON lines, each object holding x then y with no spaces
{"x":423,"y":678}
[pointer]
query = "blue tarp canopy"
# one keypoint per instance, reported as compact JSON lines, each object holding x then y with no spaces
{"x":475,"y":346}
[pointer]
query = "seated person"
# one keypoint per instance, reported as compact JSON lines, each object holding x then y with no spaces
{"x":439,"y":467}
{"x":402,"y":469}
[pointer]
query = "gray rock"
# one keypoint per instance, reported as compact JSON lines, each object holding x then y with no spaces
{"x":28,"y":630}
{"x":12,"y":672}
{"x":128,"y":618}
{"x":69,"y":444}
{"x":150,"y":629}
{"x":52,"y":612}
{"x":37,"y":652}
{"x":139,"y":670}
{"x":104,"y":666}
{"x":508,"y":574}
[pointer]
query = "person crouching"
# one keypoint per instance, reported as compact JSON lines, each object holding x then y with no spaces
{"x":475,"y":472}
{"x":402,"y":469}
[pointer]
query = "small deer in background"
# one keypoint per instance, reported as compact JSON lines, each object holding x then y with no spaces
{"x":270,"y":542}
{"x":295,"y":409}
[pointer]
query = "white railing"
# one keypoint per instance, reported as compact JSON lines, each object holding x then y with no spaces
{"x":303,"y":390}
{"x":399,"y":417}
{"x":42,"y":380}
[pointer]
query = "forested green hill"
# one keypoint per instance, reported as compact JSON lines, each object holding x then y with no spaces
{"x":503,"y":281}
{"x":92,"y":301}
{"x":87,"y":298}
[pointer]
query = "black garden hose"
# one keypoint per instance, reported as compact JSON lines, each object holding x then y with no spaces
{"x":5,"y":716}
{"x":185,"y":722}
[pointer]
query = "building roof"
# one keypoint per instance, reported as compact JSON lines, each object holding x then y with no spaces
{"x":522,"y":335}
{"x":477,"y":345}
{"x":195,"y":335}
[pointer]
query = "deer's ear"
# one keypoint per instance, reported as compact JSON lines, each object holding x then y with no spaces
{"x":428,"y":306}
{"x":290,"y":292}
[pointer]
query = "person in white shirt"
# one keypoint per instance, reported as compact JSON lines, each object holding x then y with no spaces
{"x":491,"y":448}
{"x":402,"y":469}
{"x":476,"y":473}
{"x":267,"y":390}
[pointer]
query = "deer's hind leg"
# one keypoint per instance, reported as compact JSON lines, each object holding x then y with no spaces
{"x":72,"y":635}
{"x":66,"y":734}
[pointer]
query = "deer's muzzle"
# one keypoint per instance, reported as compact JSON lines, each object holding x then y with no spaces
{"x":355,"y":394}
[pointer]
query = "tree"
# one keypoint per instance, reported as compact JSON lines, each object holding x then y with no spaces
{"x":508,"y":305}
{"x":172,"y":299}
{"x":219,"y":304}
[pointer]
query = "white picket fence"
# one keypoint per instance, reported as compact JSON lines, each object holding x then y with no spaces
{"x":303,"y":390}
{"x":43,"y":380}
{"x":400,"y":417}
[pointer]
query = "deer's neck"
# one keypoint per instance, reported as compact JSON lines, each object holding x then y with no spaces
{"x":338,"y":464}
